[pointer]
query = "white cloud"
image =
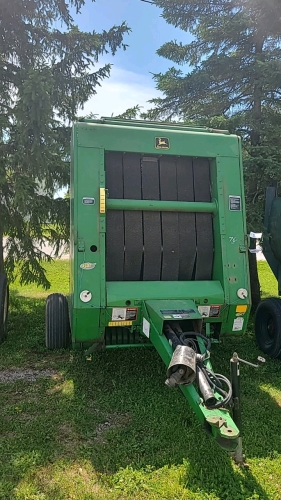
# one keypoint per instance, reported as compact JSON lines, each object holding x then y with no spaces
{"x":122,"y":90}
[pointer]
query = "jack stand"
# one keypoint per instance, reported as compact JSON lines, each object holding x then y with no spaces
{"x":237,"y":455}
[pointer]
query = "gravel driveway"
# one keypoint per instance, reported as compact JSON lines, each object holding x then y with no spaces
{"x":49,"y":250}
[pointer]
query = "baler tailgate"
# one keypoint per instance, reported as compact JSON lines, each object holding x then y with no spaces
{"x":166,"y":245}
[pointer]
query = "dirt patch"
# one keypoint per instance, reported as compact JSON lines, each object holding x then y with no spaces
{"x":68,"y":438}
{"x":113,"y":421}
{"x":28,"y":375}
{"x":7,"y":435}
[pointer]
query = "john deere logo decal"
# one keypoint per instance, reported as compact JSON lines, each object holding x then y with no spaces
{"x":162,"y":143}
{"x":87,"y":266}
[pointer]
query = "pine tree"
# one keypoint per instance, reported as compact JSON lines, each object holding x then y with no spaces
{"x":235,"y":81}
{"x":47,"y":71}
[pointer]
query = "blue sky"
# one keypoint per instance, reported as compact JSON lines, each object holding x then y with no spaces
{"x":131,"y":80}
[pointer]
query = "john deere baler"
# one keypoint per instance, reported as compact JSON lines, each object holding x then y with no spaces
{"x":158,"y":252}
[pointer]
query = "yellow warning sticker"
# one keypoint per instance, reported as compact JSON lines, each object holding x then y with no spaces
{"x":120,"y":323}
{"x":241,"y":309}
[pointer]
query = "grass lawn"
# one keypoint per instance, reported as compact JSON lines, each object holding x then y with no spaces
{"x":110,"y":429}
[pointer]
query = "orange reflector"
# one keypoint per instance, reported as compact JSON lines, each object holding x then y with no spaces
{"x":241,"y":308}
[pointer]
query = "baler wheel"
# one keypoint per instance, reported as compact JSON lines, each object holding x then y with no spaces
{"x":4,"y":305}
{"x":268,"y":326}
{"x":57,"y":322}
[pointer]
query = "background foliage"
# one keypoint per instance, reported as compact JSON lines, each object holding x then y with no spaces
{"x":47,"y":71}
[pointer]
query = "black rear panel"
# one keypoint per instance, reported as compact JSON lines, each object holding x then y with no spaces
{"x":152,"y":229}
{"x":115,"y":218}
{"x":158,"y":246}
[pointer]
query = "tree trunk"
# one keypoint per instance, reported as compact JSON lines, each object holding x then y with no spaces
{"x":1,"y":252}
{"x":257,"y":93}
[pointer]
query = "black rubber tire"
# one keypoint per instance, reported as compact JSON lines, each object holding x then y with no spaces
{"x":268,"y":326}
{"x":57,"y":322}
{"x":4,"y":306}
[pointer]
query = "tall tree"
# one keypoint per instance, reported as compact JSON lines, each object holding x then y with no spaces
{"x":235,"y":81}
{"x":47,"y":71}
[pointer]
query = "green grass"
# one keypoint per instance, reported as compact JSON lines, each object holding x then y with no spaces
{"x":58,"y":275}
{"x":110,"y":429}
{"x":267,"y":280}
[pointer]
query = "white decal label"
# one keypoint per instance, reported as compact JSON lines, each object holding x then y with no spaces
{"x":146,"y":327}
{"x":204,"y":311}
{"x":119,"y":314}
{"x":238,"y":324}
{"x":235,"y":203}
{"x":85,"y":296}
{"x":256,"y":236}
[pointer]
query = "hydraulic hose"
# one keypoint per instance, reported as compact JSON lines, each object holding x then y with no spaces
{"x":185,"y":336}
{"x":215,"y":380}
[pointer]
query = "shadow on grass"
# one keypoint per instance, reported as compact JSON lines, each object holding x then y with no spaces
{"x":115,"y":412}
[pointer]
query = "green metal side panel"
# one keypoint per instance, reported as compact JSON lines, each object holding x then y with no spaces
{"x":71,"y":249}
{"x":231,"y":259}
{"x":88,"y":248}
{"x":132,"y":138}
{"x":119,"y":293}
{"x":86,"y":325}
{"x":131,"y":294}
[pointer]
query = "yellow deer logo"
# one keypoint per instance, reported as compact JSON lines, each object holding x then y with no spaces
{"x":162,"y":143}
